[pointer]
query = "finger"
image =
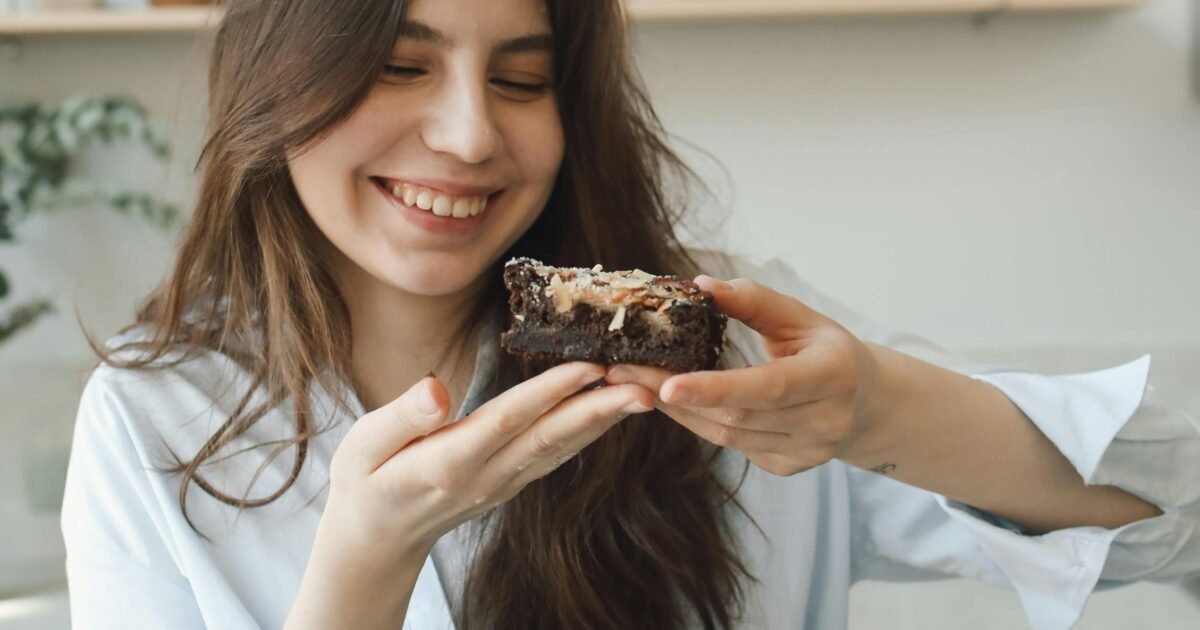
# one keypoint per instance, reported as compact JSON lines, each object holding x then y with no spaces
{"x":744,"y":440}
{"x":501,"y":419}
{"x":783,"y":382}
{"x":566,"y":430}
{"x":651,"y":378}
{"x":774,"y":421}
{"x":382,"y":433}
{"x":773,"y":314}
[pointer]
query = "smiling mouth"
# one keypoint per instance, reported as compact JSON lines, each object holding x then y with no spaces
{"x":434,"y":201}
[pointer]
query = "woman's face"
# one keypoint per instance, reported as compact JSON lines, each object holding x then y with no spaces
{"x":450,"y":158}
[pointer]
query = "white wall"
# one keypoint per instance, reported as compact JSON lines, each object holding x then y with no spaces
{"x":1032,"y":184}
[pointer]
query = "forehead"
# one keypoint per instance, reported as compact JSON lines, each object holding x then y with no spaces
{"x":454,"y":23}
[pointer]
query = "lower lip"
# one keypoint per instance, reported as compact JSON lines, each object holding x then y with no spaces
{"x":430,"y":222}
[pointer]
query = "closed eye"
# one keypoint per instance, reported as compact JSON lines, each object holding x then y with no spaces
{"x":402,"y":71}
{"x":529,"y":88}
{"x":409,"y":72}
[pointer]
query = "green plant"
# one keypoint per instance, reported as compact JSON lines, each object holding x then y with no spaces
{"x":37,"y":145}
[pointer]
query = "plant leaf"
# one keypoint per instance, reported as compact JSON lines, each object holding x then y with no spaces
{"x":22,"y":316}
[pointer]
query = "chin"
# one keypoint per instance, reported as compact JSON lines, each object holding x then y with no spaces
{"x":436,"y":278}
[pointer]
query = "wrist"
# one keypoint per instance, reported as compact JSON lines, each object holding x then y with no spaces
{"x":350,"y":584}
{"x":343,"y":534}
{"x":871,"y":439}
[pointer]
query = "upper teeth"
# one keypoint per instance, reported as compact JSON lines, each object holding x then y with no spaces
{"x":439,"y":203}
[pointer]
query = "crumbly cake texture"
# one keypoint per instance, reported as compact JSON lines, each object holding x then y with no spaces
{"x":561,"y":314}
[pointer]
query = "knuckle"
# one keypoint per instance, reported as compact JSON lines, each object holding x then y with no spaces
{"x":542,"y":445}
{"x":734,"y":417}
{"x":746,"y":285}
{"x":725,"y":436}
{"x":776,"y":387}
{"x":405,"y":422}
{"x":487,"y":501}
{"x":446,"y":482}
{"x":507,"y":425}
{"x":792,"y":345}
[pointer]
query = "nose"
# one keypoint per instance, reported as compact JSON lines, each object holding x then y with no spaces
{"x":460,"y":123}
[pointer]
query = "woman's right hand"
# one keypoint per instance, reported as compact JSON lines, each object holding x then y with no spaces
{"x":403,"y":476}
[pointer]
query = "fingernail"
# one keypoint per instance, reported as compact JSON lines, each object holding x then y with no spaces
{"x":713,"y":282}
{"x":426,"y":403}
{"x":623,"y":375}
{"x":636,"y":406}
{"x":591,"y":376}
{"x":681,"y":396}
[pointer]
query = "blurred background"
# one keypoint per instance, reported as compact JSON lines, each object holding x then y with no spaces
{"x":1020,"y":185}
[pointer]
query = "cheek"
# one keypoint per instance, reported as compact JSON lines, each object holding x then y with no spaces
{"x":550,"y":154}
{"x":536,"y":145}
{"x":316,"y":183}
{"x":537,"y":151}
{"x":327,"y":175}
{"x":324,"y":191}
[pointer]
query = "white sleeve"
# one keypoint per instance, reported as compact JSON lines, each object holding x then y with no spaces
{"x":121,"y":572}
{"x":1110,"y":424}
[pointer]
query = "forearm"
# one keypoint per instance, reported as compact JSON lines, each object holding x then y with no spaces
{"x":954,"y":435}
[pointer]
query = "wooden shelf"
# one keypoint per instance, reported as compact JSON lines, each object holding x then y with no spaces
{"x":730,"y":9}
{"x":191,"y":19}
{"x":159,"y":20}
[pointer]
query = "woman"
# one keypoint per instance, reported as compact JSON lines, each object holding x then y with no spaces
{"x":369,"y":167}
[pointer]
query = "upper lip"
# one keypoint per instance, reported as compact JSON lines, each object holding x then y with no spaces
{"x":456,"y":189}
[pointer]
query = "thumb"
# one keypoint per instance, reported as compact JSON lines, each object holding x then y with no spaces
{"x":772,"y":314}
{"x":382,"y":433}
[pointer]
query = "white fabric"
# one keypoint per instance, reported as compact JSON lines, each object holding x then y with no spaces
{"x":133,"y":561}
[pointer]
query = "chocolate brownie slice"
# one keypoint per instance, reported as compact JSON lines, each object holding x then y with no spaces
{"x":564,"y":314}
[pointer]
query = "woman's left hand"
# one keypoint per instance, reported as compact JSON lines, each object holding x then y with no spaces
{"x":800,"y":410}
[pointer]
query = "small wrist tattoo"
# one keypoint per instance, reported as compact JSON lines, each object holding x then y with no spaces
{"x":884,"y":469}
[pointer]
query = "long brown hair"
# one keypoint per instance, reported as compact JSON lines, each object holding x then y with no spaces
{"x":633,"y":532}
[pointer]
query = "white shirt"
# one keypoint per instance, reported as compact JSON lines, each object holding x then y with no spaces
{"x":133,"y":561}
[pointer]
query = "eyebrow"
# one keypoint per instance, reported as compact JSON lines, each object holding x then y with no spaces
{"x":421,"y":32}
